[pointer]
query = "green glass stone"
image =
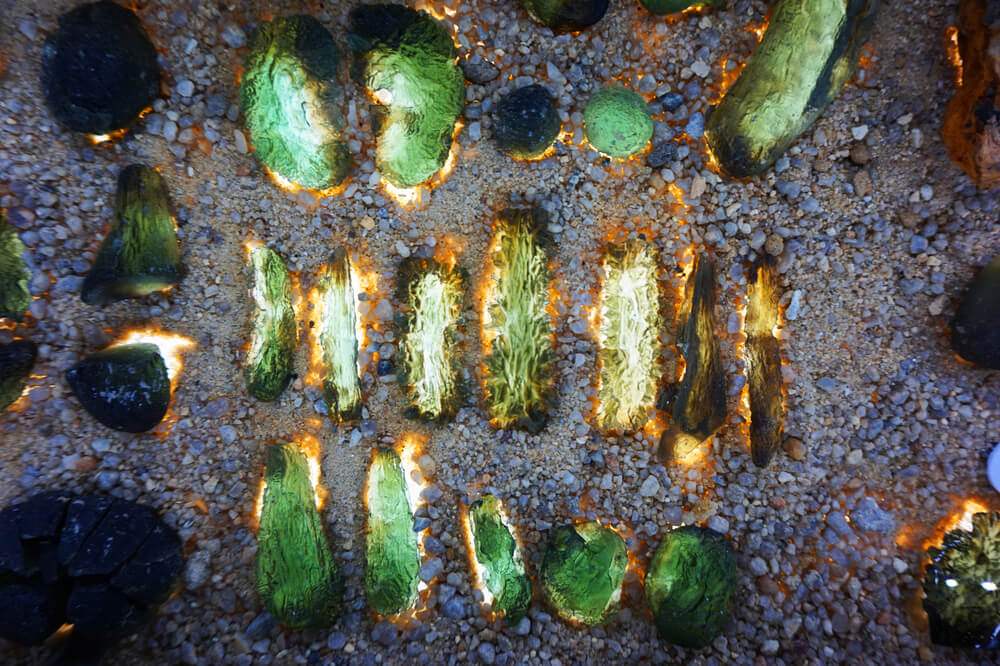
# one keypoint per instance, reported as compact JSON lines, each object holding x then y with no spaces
{"x":975,"y":330}
{"x":497,"y":552}
{"x":16,"y":361}
{"x":338,"y":337}
{"x":525,"y":123}
{"x":519,"y":380}
{"x":408,"y":63}
{"x":392,"y":558}
{"x":772,"y":103}
{"x":297,"y":577}
{"x":762,"y":355}
{"x":582,"y":572}
{"x":617,"y":122}
{"x":674,"y":6}
{"x":273,"y":333}
{"x":566,"y":15}
{"x":690,"y":584}
{"x":962,"y":595}
{"x":14,"y":274}
{"x":140,"y":255}
{"x":291,"y":101}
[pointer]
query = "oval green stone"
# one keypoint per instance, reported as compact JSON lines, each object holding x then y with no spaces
{"x":617,"y":122}
{"x":582,"y":572}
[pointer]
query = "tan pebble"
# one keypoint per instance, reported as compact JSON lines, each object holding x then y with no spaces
{"x":793,"y":447}
{"x":860,"y":154}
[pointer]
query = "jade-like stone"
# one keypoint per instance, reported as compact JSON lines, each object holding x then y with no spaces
{"x":273,"y":333}
{"x":690,"y":585}
{"x":392,"y":558}
{"x":291,"y":101}
{"x":525,"y":122}
{"x":297,"y":577}
{"x":140,"y":255}
{"x":566,"y":15}
{"x":14,"y":274}
{"x":338,"y":337}
{"x":582,"y":572}
{"x":16,"y":360}
{"x":497,"y":552}
{"x":975,"y":330}
{"x":617,"y":122}
{"x":762,"y":355}
{"x":674,"y":6}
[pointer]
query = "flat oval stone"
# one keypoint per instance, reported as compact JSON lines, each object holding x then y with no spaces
{"x":525,"y":123}
{"x":582,"y":572}
{"x":617,"y":122}
{"x":566,"y":15}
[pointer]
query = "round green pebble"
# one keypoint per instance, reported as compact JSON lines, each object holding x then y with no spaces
{"x":617,"y":122}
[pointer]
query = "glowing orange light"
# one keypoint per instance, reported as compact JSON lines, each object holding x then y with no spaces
{"x":295,"y":188}
{"x":111,"y":137}
{"x":954,"y":54}
{"x":171,"y":346}
{"x":418,"y":196}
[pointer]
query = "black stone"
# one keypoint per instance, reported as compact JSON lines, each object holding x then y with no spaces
{"x":661,"y":154}
{"x":12,"y":557}
{"x":29,"y":612}
{"x":566,"y":15}
{"x":149,"y":576}
{"x":114,"y":540}
{"x":41,"y":516}
{"x":82,"y":516}
{"x":975,"y":331}
{"x":525,"y":122}
{"x":103,"y":613}
{"x":16,"y":361}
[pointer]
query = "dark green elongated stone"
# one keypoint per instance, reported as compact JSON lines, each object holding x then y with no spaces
{"x":525,"y":123}
{"x":617,"y":122}
{"x":700,"y":404}
{"x":16,"y":361}
{"x":429,"y":361}
{"x":690,"y":584}
{"x":125,"y":387}
{"x":762,"y":355}
{"x":810,"y":50}
{"x":297,"y":577}
{"x":497,"y":552}
{"x":140,"y":254}
{"x":392,"y":558}
{"x":272,"y":329}
{"x":674,"y":6}
{"x":961,"y":594}
{"x":407,"y":62}
{"x":566,"y":15}
{"x":975,"y":330}
{"x":14,"y":274}
{"x":582,"y":572}
{"x":338,"y":337}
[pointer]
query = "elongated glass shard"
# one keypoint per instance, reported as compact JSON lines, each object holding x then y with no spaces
{"x":499,"y":556}
{"x":629,"y":335}
{"x":582,"y":572}
{"x":392,"y":557}
{"x":297,"y":577}
{"x":566,"y":15}
{"x":141,"y":254}
{"x":273,"y":334}
{"x":762,"y":355}
{"x":338,"y":337}
{"x":16,"y":360}
{"x":519,"y":356}
{"x":674,"y":6}
{"x":975,"y":330}
{"x":429,"y":363}
{"x":700,"y":404}
{"x":810,"y":50}
{"x":14,"y":274}
{"x":617,"y":122}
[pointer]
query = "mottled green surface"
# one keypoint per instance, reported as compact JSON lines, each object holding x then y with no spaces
{"x":975,"y":330}
{"x":16,"y":360}
{"x":392,"y":558}
{"x":140,"y":255}
{"x":961,"y":580}
{"x":338,"y":337}
{"x":672,"y":6}
{"x":498,"y":554}
{"x":582,"y":572}
{"x":429,"y":360}
{"x":690,"y":585}
{"x":810,"y":50}
{"x":526,"y":123}
{"x":566,"y":15}
{"x":617,"y":122}
{"x":762,"y":355}
{"x":407,"y":62}
{"x":14,"y":274}
{"x":291,"y":102}
{"x":272,"y":334}
{"x":297,"y":577}
{"x":519,"y":381}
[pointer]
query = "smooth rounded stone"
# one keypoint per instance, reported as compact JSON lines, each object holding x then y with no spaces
{"x":582,"y":571}
{"x":674,"y":6}
{"x":975,"y":330}
{"x":992,"y":466}
{"x":16,"y":361}
{"x":617,"y":122}
{"x":566,"y":15}
{"x":689,"y":585}
{"x":291,"y":102}
{"x":525,"y":122}
{"x":99,"y":69}
{"x":15,"y":297}
{"x":125,"y":387}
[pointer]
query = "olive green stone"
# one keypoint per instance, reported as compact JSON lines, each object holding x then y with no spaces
{"x":273,"y":333}
{"x":140,"y":255}
{"x":762,"y":355}
{"x":566,"y":15}
{"x":690,"y":584}
{"x":582,"y":572}
{"x":497,"y":552}
{"x":975,"y":330}
{"x":291,"y":101}
{"x":392,"y":558}
{"x":16,"y":360}
{"x":338,"y":337}
{"x":674,"y":6}
{"x":14,"y":274}
{"x":297,"y":577}
{"x":617,"y":122}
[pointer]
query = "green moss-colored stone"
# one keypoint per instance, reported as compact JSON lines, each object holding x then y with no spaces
{"x":810,"y":50}
{"x":338,"y":337}
{"x":975,"y":330}
{"x":582,"y":572}
{"x":674,"y":6}
{"x":566,"y":15}
{"x":14,"y":274}
{"x":291,"y":101}
{"x":273,"y":333}
{"x":407,"y":62}
{"x":16,"y":361}
{"x":498,"y":554}
{"x":297,"y":577}
{"x":392,"y":558}
{"x":525,"y":123}
{"x":690,"y":584}
{"x":617,"y":122}
{"x":140,"y":255}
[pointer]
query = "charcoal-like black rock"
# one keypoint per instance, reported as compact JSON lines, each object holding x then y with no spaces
{"x":99,"y":69}
{"x":103,"y":613}
{"x":12,"y":559}
{"x":16,"y":361}
{"x":114,"y":540}
{"x":148,"y":576}
{"x":82,"y":516}
{"x":29,"y":612}
{"x":525,"y":123}
{"x":975,"y":331}
{"x":41,"y":516}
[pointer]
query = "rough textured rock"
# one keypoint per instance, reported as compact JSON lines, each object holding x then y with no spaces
{"x":525,"y":122}
{"x":582,"y":572}
{"x":16,"y":361}
{"x":392,"y":560}
{"x":617,"y":122}
{"x":975,"y":330}
{"x":337,"y":321}
{"x":673,"y":6}
{"x":763,"y":362}
{"x":271,"y":358}
{"x":497,"y":552}
{"x":14,"y":274}
{"x":566,"y":15}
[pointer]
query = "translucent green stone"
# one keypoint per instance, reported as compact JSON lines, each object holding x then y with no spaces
{"x":273,"y":333}
{"x":772,"y":103}
{"x":582,"y":572}
{"x":407,"y":62}
{"x":392,"y":558}
{"x":16,"y":360}
{"x":14,"y":274}
{"x":975,"y":330}
{"x":291,"y":101}
{"x":617,"y":122}
{"x":674,"y":6}
{"x":690,"y":584}
{"x":566,"y":15}
{"x":141,"y":254}
{"x":297,"y":577}
{"x":762,"y":355}
{"x":497,"y":552}
{"x":338,"y":337}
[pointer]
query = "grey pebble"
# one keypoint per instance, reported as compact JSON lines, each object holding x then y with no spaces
{"x":868,"y":516}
